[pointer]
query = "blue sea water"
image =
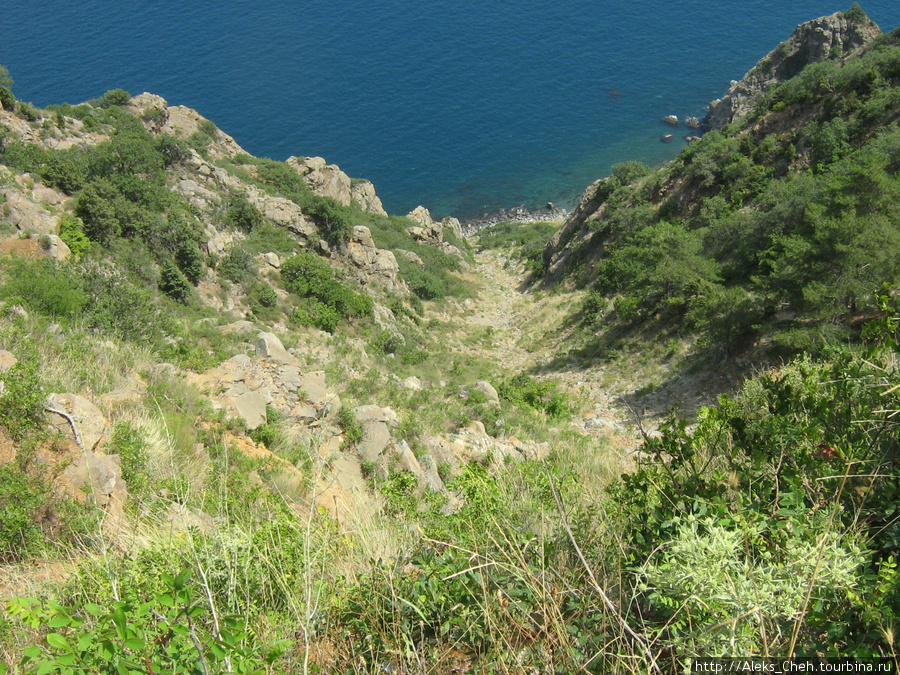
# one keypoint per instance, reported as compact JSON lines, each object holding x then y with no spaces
{"x":465,"y":106}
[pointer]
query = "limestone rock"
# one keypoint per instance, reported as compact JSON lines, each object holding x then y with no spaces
{"x":269,"y":346}
{"x":7,"y":360}
{"x":671,"y":119}
{"x":373,"y":265}
{"x":27,"y":214}
{"x":55,"y":248}
{"x":325,"y":180}
{"x":97,"y":474}
{"x":363,"y":193}
{"x":89,"y":421}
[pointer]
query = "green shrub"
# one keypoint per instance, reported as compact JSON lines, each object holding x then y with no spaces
{"x":173,"y":283}
{"x":7,"y":100}
{"x":27,"y":111}
{"x":540,"y":395}
{"x":115,"y":97}
{"x":332,"y":218}
{"x":237,"y":265}
{"x":190,"y":261}
{"x":353,"y":429}
{"x":325,"y":297}
{"x":23,"y":502}
{"x":23,"y":399}
{"x":242,"y":215}
{"x":44,"y":286}
{"x":262,"y":294}
{"x":71,"y":231}
{"x":312,"y":312}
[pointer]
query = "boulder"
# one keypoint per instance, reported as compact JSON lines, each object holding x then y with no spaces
{"x":96,"y":474}
{"x":90,"y":423}
{"x":671,"y":119}
{"x":268,"y":346}
{"x":488,"y":390}
{"x":251,"y":405}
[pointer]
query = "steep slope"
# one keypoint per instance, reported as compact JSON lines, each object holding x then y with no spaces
{"x":775,"y":229}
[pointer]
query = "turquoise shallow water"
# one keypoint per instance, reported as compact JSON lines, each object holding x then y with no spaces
{"x":463,"y":107}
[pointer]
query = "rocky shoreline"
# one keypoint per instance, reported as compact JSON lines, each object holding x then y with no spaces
{"x":515,"y":214}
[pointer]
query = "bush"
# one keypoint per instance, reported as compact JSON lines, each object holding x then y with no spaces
{"x":44,"y":286}
{"x":7,"y":100}
{"x":114,"y":97}
{"x":22,"y":402}
{"x":127,"y":442}
{"x":237,"y":265}
{"x":71,"y":231}
{"x":544,"y":396}
{"x":242,"y":215}
{"x":313,"y":279}
{"x":173,"y":283}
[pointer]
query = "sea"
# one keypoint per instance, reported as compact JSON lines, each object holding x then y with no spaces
{"x":463,"y":106}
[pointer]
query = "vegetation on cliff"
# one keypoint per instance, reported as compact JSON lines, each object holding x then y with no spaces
{"x":408,"y":483}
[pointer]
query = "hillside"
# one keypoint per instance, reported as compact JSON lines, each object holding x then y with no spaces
{"x":251,"y":423}
{"x":768,"y":235}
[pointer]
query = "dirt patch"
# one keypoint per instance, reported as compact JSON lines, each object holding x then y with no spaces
{"x":27,"y":248}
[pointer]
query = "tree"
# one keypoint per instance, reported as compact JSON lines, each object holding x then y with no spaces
{"x":7,"y":100}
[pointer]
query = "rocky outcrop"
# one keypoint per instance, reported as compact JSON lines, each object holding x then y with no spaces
{"x":830,"y":37}
{"x":205,"y":185}
{"x":327,"y":180}
{"x":374,"y":265}
{"x":363,"y":192}
{"x":429,"y":231}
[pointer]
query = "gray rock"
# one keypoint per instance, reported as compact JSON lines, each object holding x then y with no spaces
{"x":268,"y":346}
{"x":251,"y":405}
{"x":376,"y":437}
{"x":488,"y":390}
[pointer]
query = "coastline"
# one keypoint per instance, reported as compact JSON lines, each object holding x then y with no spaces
{"x":516,"y":214}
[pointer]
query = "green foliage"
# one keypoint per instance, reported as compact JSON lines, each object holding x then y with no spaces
{"x":331,"y":217}
{"x":262,"y":294}
{"x":22,"y":402}
{"x":132,"y":449}
{"x":173,"y":283}
{"x":173,"y":631}
{"x":542,"y":395}
{"x":353,"y":429}
{"x":856,"y":13}
{"x":325,"y":299}
{"x":432,"y":280}
{"x":190,"y":261}
{"x":237,"y":265}
{"x":593,"y":308}
{"x":757,"y":516}
{"x":115,"y":97}
{"x":661,"y":267}
{"x":71,"y":231}
{"x":23,"y":503}
{"x":242,"y":214}
{"x":7,"y":100}
{"x":44,"y":286}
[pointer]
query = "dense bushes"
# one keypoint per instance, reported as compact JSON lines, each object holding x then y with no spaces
{"x":326,"y":299}
{"x":800,"y":467}
{"x":804,"y":220}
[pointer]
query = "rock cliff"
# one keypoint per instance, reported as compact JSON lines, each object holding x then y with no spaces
{"x":830,"y":37}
